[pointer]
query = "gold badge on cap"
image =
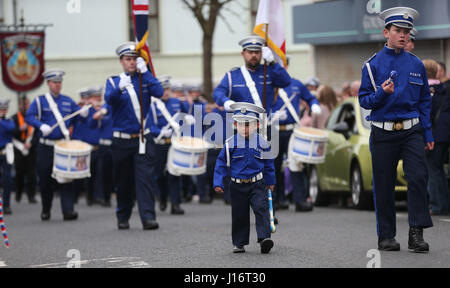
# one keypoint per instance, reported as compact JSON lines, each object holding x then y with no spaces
{"x":243,"y":110}
{"x":406,"y":16}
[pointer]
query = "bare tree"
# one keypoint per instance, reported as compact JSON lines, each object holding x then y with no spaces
{"x":206,"y":12}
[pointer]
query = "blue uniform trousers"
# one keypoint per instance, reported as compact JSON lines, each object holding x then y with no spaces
{"x":93,"y":182}
{"x":437,"y":182}
{"x":106,"y":168}
{"x":134,"y":175}
{"x":44,"y":167}
{"x":6,"y":181}
{"x":387,"y":148}
{"x":244,"y":196}
{"x":168,"y":184}
{"x":299,"y":182}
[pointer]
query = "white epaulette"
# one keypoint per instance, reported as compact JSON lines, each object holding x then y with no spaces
{"x":227,"y":150}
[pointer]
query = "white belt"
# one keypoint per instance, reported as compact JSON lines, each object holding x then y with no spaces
{"x":163,"y":141}
{"x":122,"y":135}
{"x":246,"y":181}
{"x":48,"y":142}
{"x":397,"y":126}
{"x":287,"y":127}
{"x":105,"y":142}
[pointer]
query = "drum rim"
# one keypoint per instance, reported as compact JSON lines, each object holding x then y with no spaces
{"x":87,"y":150}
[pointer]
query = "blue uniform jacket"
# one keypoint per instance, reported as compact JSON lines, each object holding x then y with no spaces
{"x":124,"y":117}
{"x":173,"y":105}
{"x":6,"y":131}
{"x":233,"y":85}
{"x":106,"y":131}
{"x":245,"y":163}
{"x":65,"y":105}
{"x":441,"y":128}
{"x":87,"y":129}
{"x":298,"y":91}
{"x":411,"y":98}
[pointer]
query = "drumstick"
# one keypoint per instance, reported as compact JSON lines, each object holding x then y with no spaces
{"x":273,"y":228}
{"x":2,"y":224}
{"x":167,"y":126}
{"x":70,"y":116}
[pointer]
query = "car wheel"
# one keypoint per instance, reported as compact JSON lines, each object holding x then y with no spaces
{"x":318,"y":198}
{"x":360,"y":197}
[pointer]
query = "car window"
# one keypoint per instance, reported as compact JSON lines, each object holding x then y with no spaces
{"x":333,"y":119}
{"x":347,"y":115}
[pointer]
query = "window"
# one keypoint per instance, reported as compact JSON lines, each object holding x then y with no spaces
{"x":153,"y":25}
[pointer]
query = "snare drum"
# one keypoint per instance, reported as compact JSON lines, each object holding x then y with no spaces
{"x":71,"y":161}
{"x":187,"y":156}
{"x":308,"y":145}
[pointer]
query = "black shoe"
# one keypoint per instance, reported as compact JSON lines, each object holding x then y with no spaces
{"x":70,"y":216}
{"x":150,"y":225}
{"x":45,"y":216}
{"x":275,"y":220}
{"x":162,"y":205}
{"x":32,"y":201}
{"x":388,"y":245}
{"x":123,"y":225}
{"x":7,"y":210}
{"x":176,"y":210}
{"x":415,"y":242}
{"x":266,"y":245}
{"x":238,"y":249}
{"x":303,"y":207}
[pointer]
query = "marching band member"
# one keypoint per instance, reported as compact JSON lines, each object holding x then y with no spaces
{"x":411,"y":45}
{"x":395,"y":88}
{"x":162,"y":133}
{"x":6,"y":154}
{"x":25,"y":143}
{"x":251,"y":175}
{"x":237,"y":85}
{"x":287,"y":113}
{"x":45,"y":111}
{"x":133,"y":155}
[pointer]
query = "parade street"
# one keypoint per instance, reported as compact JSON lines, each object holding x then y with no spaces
{"x":327,"y":237}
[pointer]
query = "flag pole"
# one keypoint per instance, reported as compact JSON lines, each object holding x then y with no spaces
{"x":265,"y":67}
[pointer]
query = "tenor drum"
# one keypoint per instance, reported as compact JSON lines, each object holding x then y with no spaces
{"x":308,"y":145}
{"x":187,"y":156}
{"x":71,"y":161}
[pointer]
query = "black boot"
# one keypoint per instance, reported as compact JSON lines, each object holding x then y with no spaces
{"x":385,"y":244}
{"x":266,"y":245}
{"x":71,"y":216}
{"x":303,"y":207}
{"x":45,"y":216}
{"x":176,"y":210}
{"x":150,"y":225}
{"x":162,"y":205}
{"x":415,"y":242}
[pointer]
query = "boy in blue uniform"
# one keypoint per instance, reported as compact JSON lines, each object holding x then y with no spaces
{"x":252,"y":173}
{"x":6,"y":133}
{"x":401,"y":129}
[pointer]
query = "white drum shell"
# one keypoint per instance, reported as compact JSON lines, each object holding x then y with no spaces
{"x":186,"y":160}
{"x":71,"y":164}
{"x":308,"y":148}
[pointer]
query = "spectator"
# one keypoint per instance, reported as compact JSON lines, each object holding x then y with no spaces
{"x":312,"y":84}
{"x":328,"y":101}
{"x":442,"y":73}
{"x":346,"y":91}
{"x":440,"y":119}
{"x":354,"y":88}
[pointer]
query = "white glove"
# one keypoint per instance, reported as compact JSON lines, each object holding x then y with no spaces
{"x":141,"y":66}
{"x":190,"y":120}
{"x":315,"y":109}
{"x":227,"y":105}
{"x":166,"y":132}
{"x":267,"y":54}
{"x":282,"y":115}
{"x":46,"y":130}
{"x":84,"y":111}
{"x":124,"y":81}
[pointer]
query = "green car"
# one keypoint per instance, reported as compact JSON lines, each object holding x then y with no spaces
{"x":348,"y":165}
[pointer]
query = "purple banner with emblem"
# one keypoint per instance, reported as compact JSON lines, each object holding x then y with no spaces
{"x":22,"y":58}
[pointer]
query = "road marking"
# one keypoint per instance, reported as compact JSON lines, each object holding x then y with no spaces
{"x":445,"y":220}
{"x":3,"y":264}
{"x":84,"y":262}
